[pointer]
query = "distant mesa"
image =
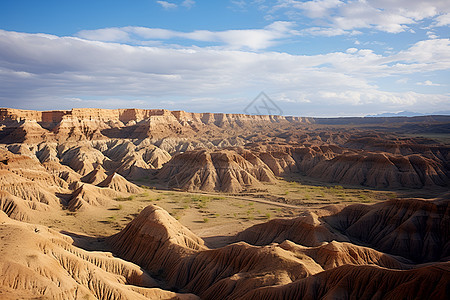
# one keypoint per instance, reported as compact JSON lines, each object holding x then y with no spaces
{"x":91,"y":124}
{"x":409,"y":114}
{"x":398,"y":114}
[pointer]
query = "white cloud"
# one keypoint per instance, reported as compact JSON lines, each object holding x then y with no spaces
{"x":313,"y":9}
{"x":241,"y":4}
{"x":56,"y":68}
{"x":253,"y":39}
{"x":431,"y":35}
{"x":188,"y":3}
{"x":167,"y":5}
{"x":442,"y":20}
{"x":323,"y":31}
{"x":383,"y":15}
{"x":427,"y":55}
{"x":428,"y":83}
{"x":105,"y":34}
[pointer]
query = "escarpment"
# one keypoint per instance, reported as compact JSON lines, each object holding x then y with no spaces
{"x":93,"y":124}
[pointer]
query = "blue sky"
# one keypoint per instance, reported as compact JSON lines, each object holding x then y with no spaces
{"x":313,"y":58}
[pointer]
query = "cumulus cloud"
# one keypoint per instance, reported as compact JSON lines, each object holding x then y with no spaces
{"x":40,"y":71}
{"x":442,"y":20}
{"x":253,"y":39}
{"x":427,"y":55}
{"x":167,"y":5}
{"x":341,"y":16}
{"x":428,"y":83}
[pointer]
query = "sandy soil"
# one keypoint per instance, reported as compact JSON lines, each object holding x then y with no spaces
{"x":214,"y":216}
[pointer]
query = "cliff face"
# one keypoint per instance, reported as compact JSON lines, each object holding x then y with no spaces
{"x":277,"y":146}
{"x":137,"y":115}
{"x":93,"y":124}
{"x":56,"y":116}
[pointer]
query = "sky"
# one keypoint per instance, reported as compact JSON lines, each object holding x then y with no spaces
{"x":323,"y":58}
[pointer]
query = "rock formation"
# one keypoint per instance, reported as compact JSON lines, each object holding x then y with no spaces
{"x":77,"y":124}
{"x":413,"y":228}
{"x":222,"y":170}
{"x":133,"y":142}
{"x":307,"y":230}
{"x":166,"y":249}
{"x":120,"y":184}
{"x":84,"y":160}
{"x":37,"y":262}
{"x":430,"y":282}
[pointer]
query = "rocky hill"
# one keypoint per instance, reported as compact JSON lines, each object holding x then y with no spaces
{"x":158,"y":243}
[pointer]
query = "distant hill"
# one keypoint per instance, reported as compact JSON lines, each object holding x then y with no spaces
{"x":408,"y":114}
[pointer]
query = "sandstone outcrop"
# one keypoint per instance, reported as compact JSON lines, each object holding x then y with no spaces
{"x":134,"y":142}
{"x":430,"y":282}
{"x":83,"y":159}
{"x":86,"y":195}
{"x":412,"y":228}
{"x":92,"y":124}
{"x":222,"y":170}
{"x":15,"y":207}
{"x":307,"y":230}
{"x":48,"y":266}
{"x":27,"y":184}
{"x":120,"y":184}
{"x":166,"y":249}
{"x":95,"y":176}
{"x":162,"y":246}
